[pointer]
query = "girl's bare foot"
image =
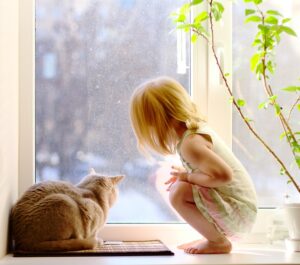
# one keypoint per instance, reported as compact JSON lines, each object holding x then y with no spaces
{"x":207,"y":247}
{"x":189,"y":244}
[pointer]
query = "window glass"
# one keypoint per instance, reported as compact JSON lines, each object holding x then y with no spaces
{"x":90,"y":55}
{"x":271,"y":186}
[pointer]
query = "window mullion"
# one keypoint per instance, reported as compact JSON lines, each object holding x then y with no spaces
{"x":199,"y":66}
{"x":26,"y":94}
{"x":219,"y":109}
{"x":208,"y":91}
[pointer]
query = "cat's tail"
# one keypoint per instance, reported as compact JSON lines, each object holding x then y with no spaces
{"x":65,"y":245}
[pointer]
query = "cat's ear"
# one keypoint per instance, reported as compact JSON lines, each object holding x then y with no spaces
{"x":117,"y":179}
{"x":92,"y":171}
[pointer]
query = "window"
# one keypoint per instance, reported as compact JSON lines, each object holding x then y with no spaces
{"x":49,"y":66}
{"x":270,"y":185}
{"x":90,"y":55}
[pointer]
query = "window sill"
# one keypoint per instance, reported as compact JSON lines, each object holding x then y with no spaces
{"x":241,"y":254}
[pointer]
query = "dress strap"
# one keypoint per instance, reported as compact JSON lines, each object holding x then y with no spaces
{"x":185,"y":134}
{"x":201,"y":131}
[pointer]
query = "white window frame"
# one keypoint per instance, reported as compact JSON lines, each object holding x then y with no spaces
{"x":203,"y":76}
{"x":26,"y":94}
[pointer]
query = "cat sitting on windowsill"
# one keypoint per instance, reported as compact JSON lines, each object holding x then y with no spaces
{"x":59,"y":216}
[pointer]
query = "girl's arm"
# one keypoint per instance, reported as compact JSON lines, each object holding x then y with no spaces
{"x":212,"y":171}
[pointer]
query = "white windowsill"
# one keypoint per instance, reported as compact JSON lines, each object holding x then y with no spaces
{"x":241,"y":254}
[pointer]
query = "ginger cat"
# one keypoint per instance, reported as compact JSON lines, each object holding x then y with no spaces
{"x":58,"y":216}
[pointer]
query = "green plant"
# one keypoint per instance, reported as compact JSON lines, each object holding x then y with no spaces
{"x":271,"y":24}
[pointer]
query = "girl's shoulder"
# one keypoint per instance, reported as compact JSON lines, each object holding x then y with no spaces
{"x":203,"y":132}
{"x":196,"y":138}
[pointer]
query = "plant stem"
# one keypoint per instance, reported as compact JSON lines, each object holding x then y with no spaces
{"x":200,"y":34}
{"x":239,"y":109}
{"x":292,"y":108}
{"x":284,"y":122}
{"x":269,"y":92}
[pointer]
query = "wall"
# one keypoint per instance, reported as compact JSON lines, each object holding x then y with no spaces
{"x":8,"y":113}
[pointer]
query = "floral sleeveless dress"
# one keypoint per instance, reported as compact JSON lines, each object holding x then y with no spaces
{"x":232,"y":207}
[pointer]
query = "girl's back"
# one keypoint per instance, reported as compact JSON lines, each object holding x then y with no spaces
{"x":236,"y":199}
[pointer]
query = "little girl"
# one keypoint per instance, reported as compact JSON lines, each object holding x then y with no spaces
{"x":213,"y":193}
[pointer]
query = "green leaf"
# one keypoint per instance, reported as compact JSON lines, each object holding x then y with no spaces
{"x":254,"y":61}
{"x":196,"y":2}
{"x":270,"y":67}
{"x":259,"y":68}
{"x":194,"y":38}
{"x":201,"y":29}
{"x":256,"y":42}
{"x":292,"y":89}
{"x":285,"y":20}
{"x":264,"y":28}
{"x":297,"y":158}
{"x":271,"y":20}
{"x":231,"y":99}
{"x":253,"y":19}
{"x":248,"y":119}
{"x":281,"y":136}
{"x":241,"y":102}
{"x":282,"y":171}
{"x":296,"y":148}
{"x":295,"y":144}
{"x":257,"y":2}
{"x":181,"y":18}
{"x":184,"y":9}
{"x":298,"y":107}
{"x":226,"y":74}
{"x":249,"y":12}
{"x":276,"y":29}
{"x":184,"y":26}
{"x":274,"y":12}
{"x":217,"y":10}
{"x":277,"y":37}
{"x":216,"y":14}
{"x":201,"y":17}
{"x":269,"y":43}
{"x":289,"y":31}
{"x":277,"y":109}
{"x":173,"y":14}
{"x":263,"y":105}
{"x":273,"y":98}
{"x":219,"y":6}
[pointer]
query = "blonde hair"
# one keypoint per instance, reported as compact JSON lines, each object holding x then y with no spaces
{"x":154,"y":105}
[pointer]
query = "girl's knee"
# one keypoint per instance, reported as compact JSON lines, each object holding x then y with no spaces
{"x":180,"y":193}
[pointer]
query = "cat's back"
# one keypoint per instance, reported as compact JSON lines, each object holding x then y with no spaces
{"x":40,"y":191}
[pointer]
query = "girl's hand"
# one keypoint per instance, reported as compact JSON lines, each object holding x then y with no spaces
{"x":170,"y":182}
{"x":178,"y":173}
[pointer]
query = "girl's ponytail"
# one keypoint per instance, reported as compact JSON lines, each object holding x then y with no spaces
{"x":192,"y":123}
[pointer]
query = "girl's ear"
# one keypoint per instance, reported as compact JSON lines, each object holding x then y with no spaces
{"x":117,"y":179}
{"x":92,"y":171}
